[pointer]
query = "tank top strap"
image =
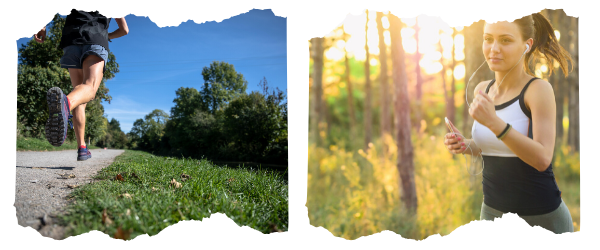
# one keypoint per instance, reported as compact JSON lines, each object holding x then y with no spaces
{"x":527,"y":86}
{"x":522,"y":98}
{"x":489,"y":85}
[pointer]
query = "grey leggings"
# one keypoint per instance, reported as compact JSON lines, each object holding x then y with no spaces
{"x":558,"y":221}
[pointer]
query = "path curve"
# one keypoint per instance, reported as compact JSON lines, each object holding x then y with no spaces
{"x":42,"y":180}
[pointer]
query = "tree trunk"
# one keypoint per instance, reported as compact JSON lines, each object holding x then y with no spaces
{"x":385,"y":108}
{"x":367,"y":119}
{"x":419,"y":86}
{"x":473,"y":59}
{"x":452,"y":112}
{"x":574,"y":86}
{"x":317,"y":54}
{"x":350,"y":95}
{"x":557,"y":80}
{"x":405,"y":163}
{"x":443,"y":76}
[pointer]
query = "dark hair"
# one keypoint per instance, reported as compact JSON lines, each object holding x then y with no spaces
{"x":545,"y":44}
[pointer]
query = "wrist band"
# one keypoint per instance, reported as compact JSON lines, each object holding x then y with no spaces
{"x":501,"y":135}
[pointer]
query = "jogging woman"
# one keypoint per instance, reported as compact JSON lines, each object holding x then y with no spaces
{"x":84,"y":42}
{"x":514,"y":125}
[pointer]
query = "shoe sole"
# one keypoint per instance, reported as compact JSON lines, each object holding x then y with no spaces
{"x":55,"y":126}
{"x":84,"y":158}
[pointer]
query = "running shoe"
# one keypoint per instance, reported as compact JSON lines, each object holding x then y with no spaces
{"x":83,"y":154}
{"x":59,"y":117}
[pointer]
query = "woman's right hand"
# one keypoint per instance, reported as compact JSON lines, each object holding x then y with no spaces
{"x":455,"y":142}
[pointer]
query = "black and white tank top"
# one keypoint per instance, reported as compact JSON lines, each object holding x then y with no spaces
{"x":510,"y":184}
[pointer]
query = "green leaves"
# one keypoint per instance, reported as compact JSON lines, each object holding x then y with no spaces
{"x":114,"y":136}
{"x":221,"y":85}
{"x":32,"y":85}
{"x":148,"y":133}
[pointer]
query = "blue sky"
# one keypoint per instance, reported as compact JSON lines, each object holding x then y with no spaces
{"x":154,"y":62}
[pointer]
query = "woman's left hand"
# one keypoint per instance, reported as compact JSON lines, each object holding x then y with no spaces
{"x":483,"y":110}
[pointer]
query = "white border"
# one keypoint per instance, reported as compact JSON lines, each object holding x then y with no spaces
{"x":305,"y":19}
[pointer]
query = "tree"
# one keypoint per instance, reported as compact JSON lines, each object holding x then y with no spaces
{"x":148,"y":132}
{"x":317,"y":52}
{"x":405,"y":162}
{"x":349,"y":87}
{"x":557,"y":79}
{"x":33,"y":83}
{"x":250,"y":127}
{"x":192,"y":129}
{"x":115,"y":137}
{"x":221,"y":85}
{"x":188,"y":100}
{"x":452,"y":110}
{"x":573,"y":82}
{"x":383,"y":77}
{"x":255,"y":123}
{"x":367,"y":120}
{"x":448,"y":95}
{"x":419,"y":85}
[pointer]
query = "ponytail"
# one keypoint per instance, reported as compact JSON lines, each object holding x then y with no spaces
{"x":545,"y":43}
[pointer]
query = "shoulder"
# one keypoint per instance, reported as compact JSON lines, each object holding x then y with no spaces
{"x":481,"y":86}
{"x":539,"y":93}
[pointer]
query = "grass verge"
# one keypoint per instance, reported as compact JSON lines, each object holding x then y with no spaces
{"x":38,"y":144}
{"x":145,"y":201}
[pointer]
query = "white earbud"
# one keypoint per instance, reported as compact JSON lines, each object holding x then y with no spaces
{"x":526,"y":48}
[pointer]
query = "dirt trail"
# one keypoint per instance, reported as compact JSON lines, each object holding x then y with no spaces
{"x":44,"y":181}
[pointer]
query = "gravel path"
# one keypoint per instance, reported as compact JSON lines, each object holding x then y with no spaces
{"x":42,"y":184}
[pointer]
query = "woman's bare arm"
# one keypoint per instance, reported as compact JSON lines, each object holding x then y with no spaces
{"x":121,"y":31}
{"x":539,"y":151}
{"x":458,"y":144}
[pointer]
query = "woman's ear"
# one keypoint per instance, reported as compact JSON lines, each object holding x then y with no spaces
{"x":529,"y":43}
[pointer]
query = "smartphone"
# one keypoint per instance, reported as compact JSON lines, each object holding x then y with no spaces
{"x":448,"y":124}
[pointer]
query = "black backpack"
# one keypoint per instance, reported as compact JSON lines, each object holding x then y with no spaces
{"x":85,"y":28}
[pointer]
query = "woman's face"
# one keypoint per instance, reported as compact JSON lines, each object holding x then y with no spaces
{"x":503,"y":45}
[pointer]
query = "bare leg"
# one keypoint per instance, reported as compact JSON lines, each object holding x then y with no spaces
{"x":79,"y":111}
{"x":85,"y":82}
{"x":92,"y":76}
{"x":79,"y":124}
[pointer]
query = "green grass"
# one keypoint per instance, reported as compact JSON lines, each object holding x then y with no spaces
{"x":255,"y":198}
{"x":38,"y":144}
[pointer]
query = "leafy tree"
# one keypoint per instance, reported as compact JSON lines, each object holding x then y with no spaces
{"x":192,"y":129}
{"x":257,"y":124}
{"x":32,"y":84}
{"x":148,"y":132}
{"x":199,"y":134}
{"x":136,"y":134}
{"x":188,"y":100}
{"x":221,"y":85}
{"x":248,"y":127}
{"x":115,"y":137}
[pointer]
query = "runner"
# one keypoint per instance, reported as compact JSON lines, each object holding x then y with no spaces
{"x":84,"y":42}
{"x":514,"y":126}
